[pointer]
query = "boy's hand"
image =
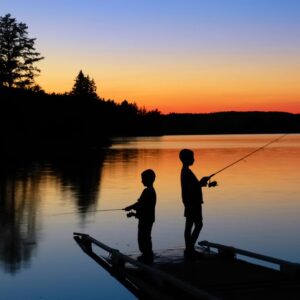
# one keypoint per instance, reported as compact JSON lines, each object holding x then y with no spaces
{"x":203,"y":181}
{"x":131,"y":214}
{"x":212,"y":184}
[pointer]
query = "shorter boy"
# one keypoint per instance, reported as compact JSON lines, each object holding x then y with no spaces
{"x":145,"y":212}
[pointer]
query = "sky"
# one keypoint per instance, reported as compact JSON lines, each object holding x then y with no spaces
{"x":194,"y":56}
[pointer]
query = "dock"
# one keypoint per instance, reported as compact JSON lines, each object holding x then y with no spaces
{"x":217,"y":272}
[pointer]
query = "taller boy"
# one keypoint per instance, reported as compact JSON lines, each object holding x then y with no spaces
{"x":191,"y":190}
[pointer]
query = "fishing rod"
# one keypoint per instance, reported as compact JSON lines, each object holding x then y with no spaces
{"x":249,"y":154}
{"x":89,"y":211}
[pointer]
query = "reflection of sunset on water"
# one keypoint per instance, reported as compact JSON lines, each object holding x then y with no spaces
{"x":263,"y":170}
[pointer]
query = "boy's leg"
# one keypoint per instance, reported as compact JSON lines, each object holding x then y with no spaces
{"x":145,"y":243}
{"x":148,"y":240}
{"x":188,"y":233}
{"x":144,"y":238}
{"x":195,"y":234}
{"x":140,"y":238}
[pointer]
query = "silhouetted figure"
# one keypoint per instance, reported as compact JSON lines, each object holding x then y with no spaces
{"x":191,"y":189}
{"x":145,"y":212}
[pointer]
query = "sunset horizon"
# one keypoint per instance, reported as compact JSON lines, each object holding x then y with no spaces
{"x":192,"y":57}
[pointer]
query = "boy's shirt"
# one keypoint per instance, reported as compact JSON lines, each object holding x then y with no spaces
{"x":145,"y":209}
{"x":190,"y":189}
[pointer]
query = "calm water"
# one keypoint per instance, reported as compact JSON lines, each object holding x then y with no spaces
{"x":256,"y":207}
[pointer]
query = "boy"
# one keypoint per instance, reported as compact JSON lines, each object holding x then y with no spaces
{"x":145,"y":213}
{"x":191,"y":190}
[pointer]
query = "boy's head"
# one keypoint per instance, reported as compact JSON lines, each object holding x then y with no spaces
{"x":148,"y":177}
{"x":186,"y":156}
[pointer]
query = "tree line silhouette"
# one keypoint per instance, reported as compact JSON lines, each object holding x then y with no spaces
{"x":30,"y":116}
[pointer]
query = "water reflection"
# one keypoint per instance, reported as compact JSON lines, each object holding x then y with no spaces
{"x":82,"y":175}
{"x":22,"y":187}
{"x":19,"y":200}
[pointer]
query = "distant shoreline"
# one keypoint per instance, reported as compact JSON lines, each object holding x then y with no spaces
{"x":41,"y":122}
{"x":232,"y":122}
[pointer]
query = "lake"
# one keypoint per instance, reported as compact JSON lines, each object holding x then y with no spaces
{"x":43,"y":201}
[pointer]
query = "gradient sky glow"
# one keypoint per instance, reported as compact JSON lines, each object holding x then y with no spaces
{"x":176,"y":56}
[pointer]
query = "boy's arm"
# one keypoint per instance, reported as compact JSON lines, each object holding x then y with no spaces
{"x":204,"y":181}
{"x":133,"y":206}
{"x":139,"y":203}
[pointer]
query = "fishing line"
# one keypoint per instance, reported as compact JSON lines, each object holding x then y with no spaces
{"x":249,"y":154}
{"x":88,"y":211}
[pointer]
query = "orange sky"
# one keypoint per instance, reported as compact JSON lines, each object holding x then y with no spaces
{"x":176,"y":56}
{"x":188,"y":86}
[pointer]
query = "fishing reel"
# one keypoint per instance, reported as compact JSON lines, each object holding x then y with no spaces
{"x":130,"y":214}
{"x":212,"y":183}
